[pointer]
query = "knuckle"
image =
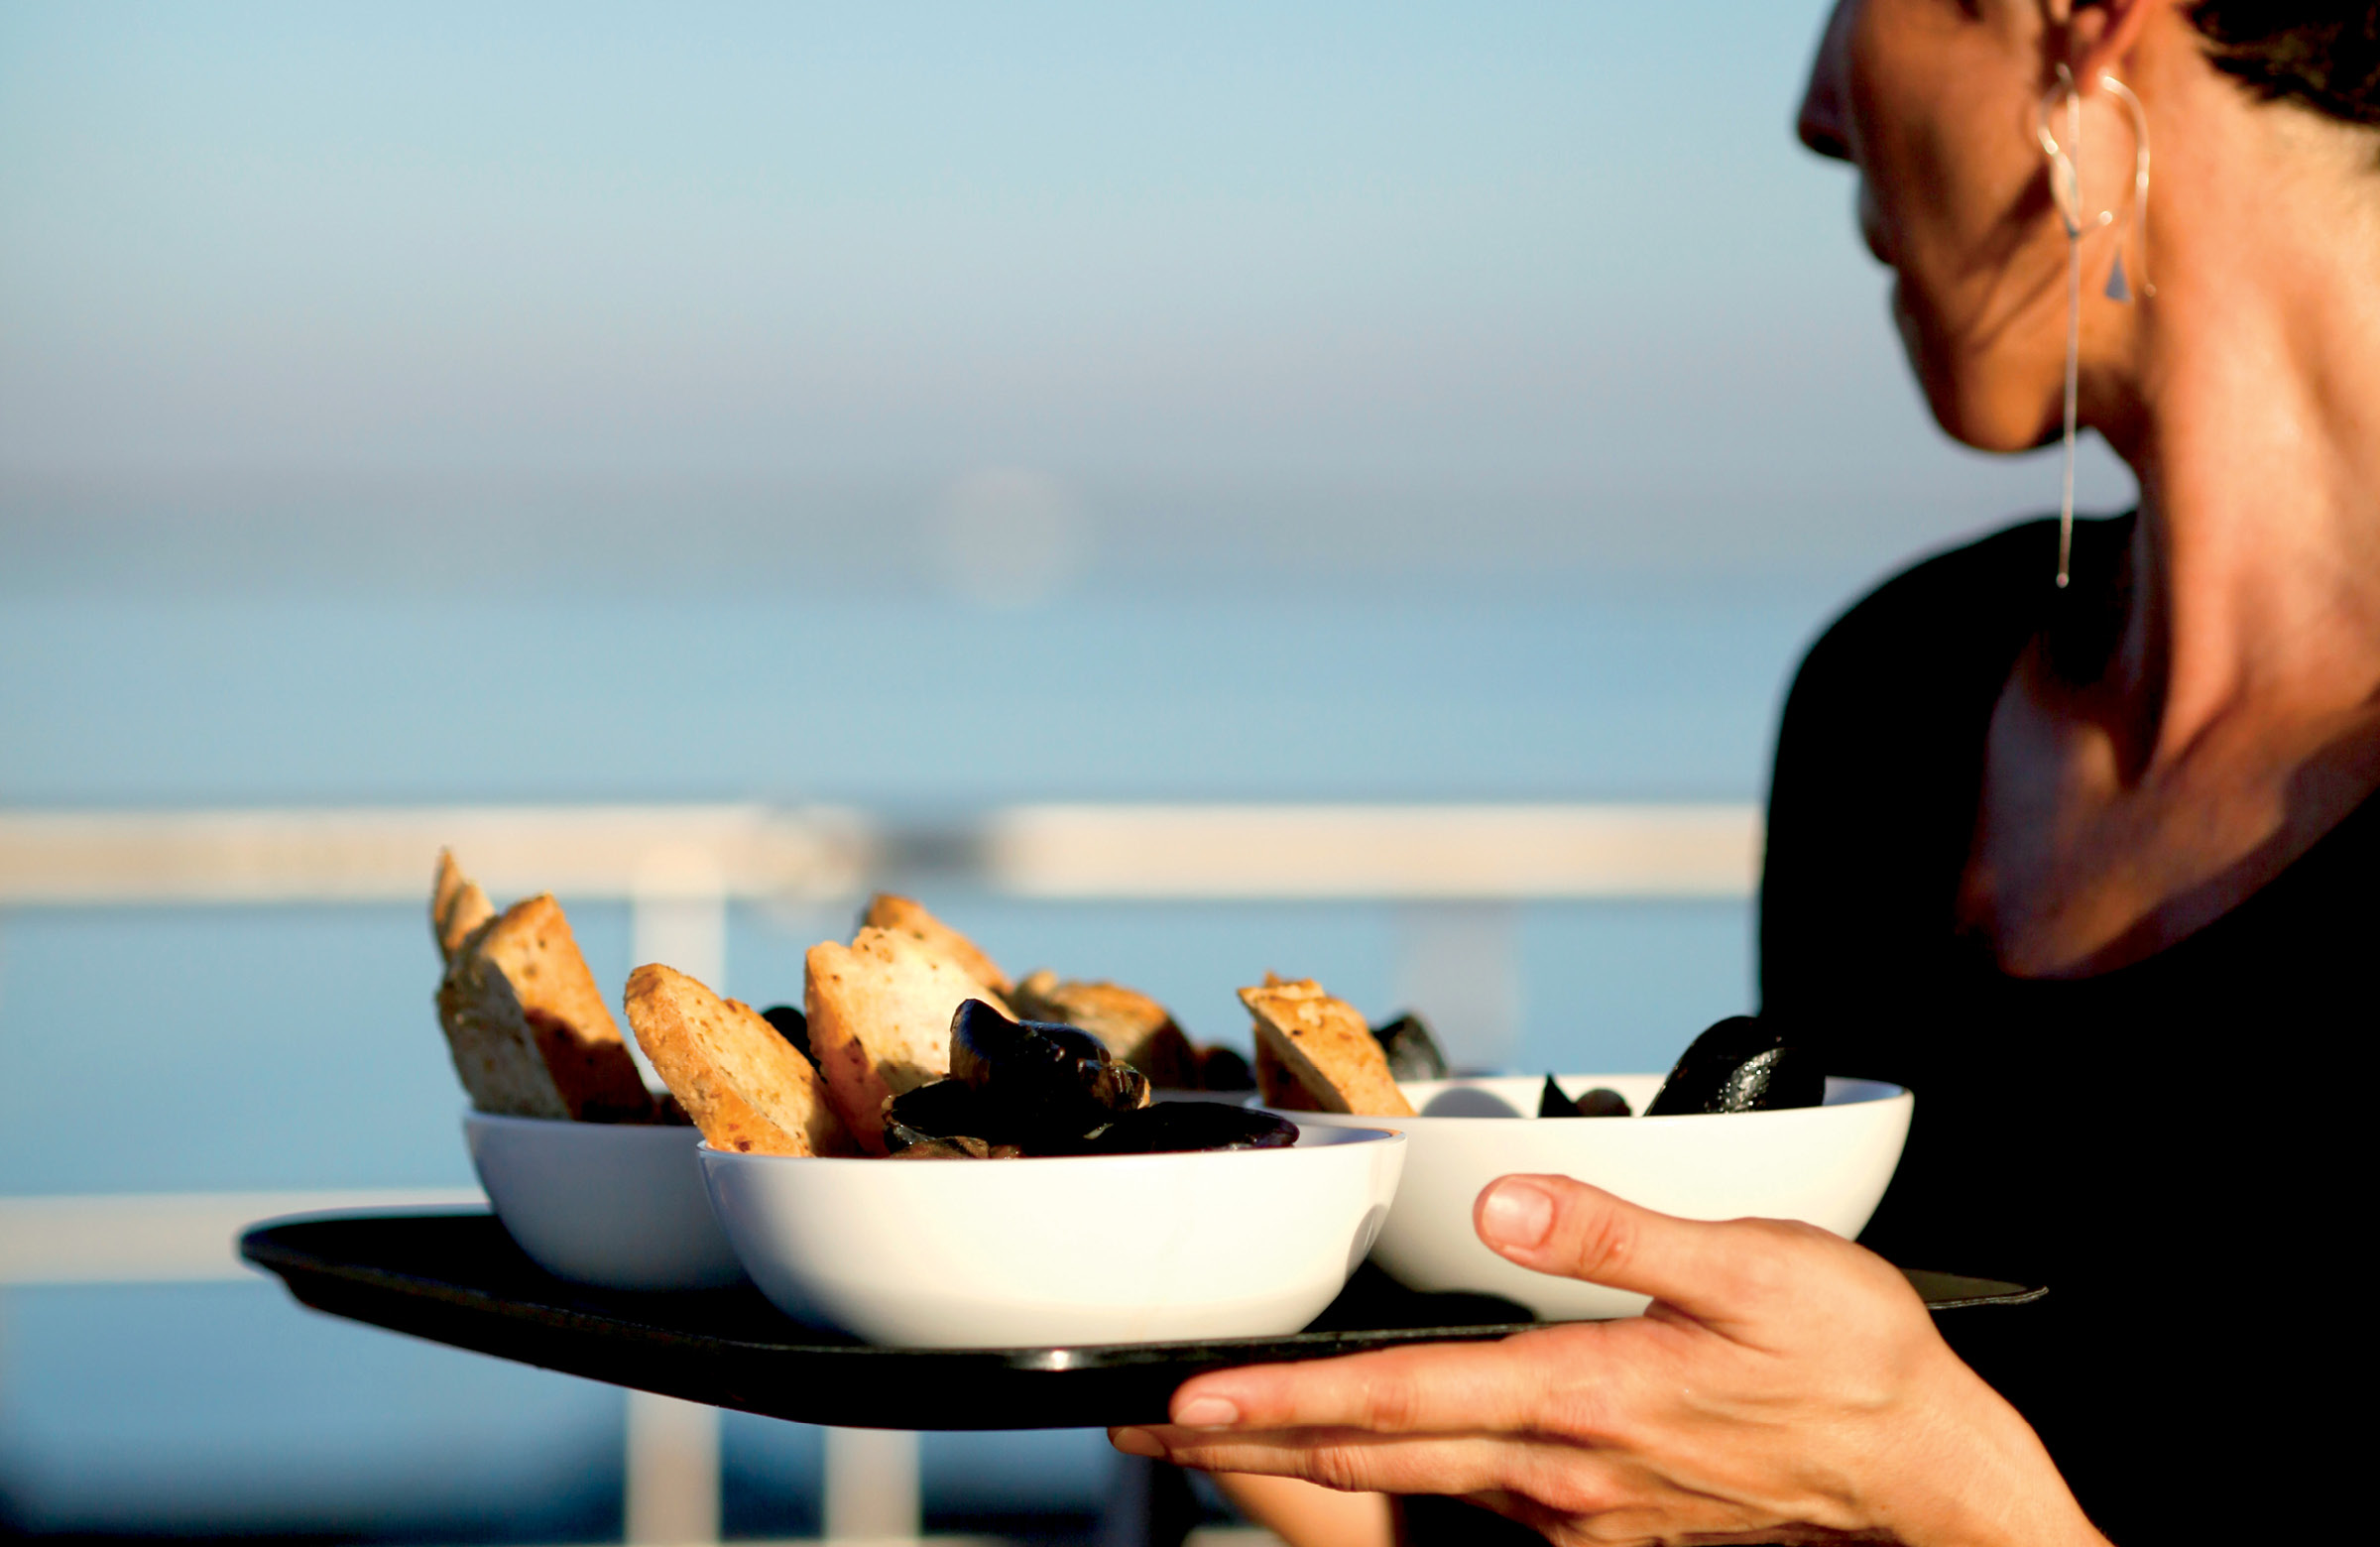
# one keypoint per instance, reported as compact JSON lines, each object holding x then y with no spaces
{"x":1391,"y":1403}
{"x":1606,"y":1241}
{"x":1338,"y":1467}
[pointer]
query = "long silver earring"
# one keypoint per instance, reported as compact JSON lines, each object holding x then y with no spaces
{"x":2066,"y":193}
{"x":2117,"y":289}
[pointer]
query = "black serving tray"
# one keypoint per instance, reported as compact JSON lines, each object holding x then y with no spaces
{"x":457,"y":1278}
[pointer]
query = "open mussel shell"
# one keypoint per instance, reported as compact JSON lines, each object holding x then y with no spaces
{"x":1412,"y":1052}
{"x":942,"y":1109}
{"x":1174,"y":1126}
{"x":1601,"y":1102}
{"x":1040,"y":1085}
{"x":1741,"y":1064}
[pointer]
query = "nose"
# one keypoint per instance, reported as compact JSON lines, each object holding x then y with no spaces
{"x":1822,"y":124}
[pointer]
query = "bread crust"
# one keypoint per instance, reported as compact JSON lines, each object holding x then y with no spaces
{"x":457,"y":907}
{"x":880,"y":1014}
{"x":905,"y":917}
{"x":743,"y":1084}
{"x":1327,"y":1046}
{"x":518,"y":983}
{"x":1135,"y":1027}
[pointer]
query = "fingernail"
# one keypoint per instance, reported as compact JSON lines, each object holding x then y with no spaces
{"x":1516,"y":1214}
{"x":1207,"y":1412}
{"x":1137,"y":1442}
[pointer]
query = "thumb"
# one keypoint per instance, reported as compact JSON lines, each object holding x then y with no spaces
{"x":1555,"y":1225}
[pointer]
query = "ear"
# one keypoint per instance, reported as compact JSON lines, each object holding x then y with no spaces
{"x":2099,"y":35}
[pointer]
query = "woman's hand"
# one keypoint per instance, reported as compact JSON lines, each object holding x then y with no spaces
{"x":1785,"y":1385}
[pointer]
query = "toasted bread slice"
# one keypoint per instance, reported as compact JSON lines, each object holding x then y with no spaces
{"x":456,"y":905}
{"x":743,"y":1085}
{"x":1277,"y":1086}
{"x":495,"y":1052}
{"x":901,"y":915}
{"x":880,"y":1014}
{"x":518,"y":980}
{"x":1327,"y":1046}
{"x":1135,"y":1027}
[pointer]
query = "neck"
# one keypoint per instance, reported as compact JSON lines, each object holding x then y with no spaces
{"x":2253,"y":423}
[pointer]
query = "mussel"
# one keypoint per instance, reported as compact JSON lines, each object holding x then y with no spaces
{"x":1017,"y":1082}
{"x":1412,"y":1052}
{"x":1221,"y":1069}
{"x":1176,"y":1126}
{"x":1741,"y":1064}
{"x":940,"y":1110}
{"x":1601,"y":1102}
{"x":793,"y":1026}
{"x":962,"y":1148}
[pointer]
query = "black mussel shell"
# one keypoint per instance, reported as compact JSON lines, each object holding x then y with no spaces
{"x":1221,"y":1069}
{"x":1603,"y":1102}
{"x":793,"y":1026}
{"x":1040,"y":1085}
{"x":1173,"y":1127}
{"x":944,"y":1109}
{"x":958,"y":1147}
{"x":1741,"y":1064}
{"x":1412,"y":1052}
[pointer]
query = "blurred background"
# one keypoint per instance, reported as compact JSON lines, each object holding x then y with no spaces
{"x":917,"y":410}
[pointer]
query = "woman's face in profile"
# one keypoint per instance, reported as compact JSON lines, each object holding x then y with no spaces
{"x":1935,"y":103}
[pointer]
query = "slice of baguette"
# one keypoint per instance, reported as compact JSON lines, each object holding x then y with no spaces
{"x":743,"y":1085}
{"x":456,"y":905}
{"x":880,"y":1014}
{"x":519,"y":982}
{"x":901,"y":915}
{"x":1277,"y":1086}
{"x":1135,"y":1027}
{"x":1327,"y":1046}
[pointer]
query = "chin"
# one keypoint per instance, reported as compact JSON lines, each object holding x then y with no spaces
{"x":1969,"y":399}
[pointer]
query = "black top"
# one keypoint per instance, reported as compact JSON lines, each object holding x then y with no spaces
{"x":2199,"y":1113}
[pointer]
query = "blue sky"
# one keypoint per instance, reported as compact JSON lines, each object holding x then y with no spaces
{"x":1538,"y":288}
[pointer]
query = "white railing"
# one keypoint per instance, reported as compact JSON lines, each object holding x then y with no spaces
{"x":1456,"y":870}
{"x":65,"y":858}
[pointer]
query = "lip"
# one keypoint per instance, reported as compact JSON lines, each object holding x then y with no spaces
{"x":1871,"y":225}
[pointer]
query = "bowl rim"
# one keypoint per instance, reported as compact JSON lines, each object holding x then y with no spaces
{"x":1363,"y":1136}
{"x":472,"y":1115}
{"x":1880,"y":1092}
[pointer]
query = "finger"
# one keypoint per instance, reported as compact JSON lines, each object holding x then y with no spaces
{"x":1427,"y":1388}
{"x":1350,"y":1460}
{"x":1714,"y":1272}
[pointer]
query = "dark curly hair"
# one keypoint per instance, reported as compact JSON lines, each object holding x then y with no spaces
{"x":2321,"y":54}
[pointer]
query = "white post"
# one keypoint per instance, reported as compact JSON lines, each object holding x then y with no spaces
{"x":1458,"y":965}
{"x":679,"y":918}
{"x":871,"y":1492}
{"x":673,"y":1470}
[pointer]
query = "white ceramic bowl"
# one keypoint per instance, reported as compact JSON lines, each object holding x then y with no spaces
{"x":1827,"y":1165}
{"x":617,"y":1205}
{"x":1082,"y":1250}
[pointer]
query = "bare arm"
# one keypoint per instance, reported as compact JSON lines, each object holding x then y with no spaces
{"x":1786,"y":1385}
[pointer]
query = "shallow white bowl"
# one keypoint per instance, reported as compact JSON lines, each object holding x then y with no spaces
{"x":1825,"y":1164}
{"x":1095,"y":1249}
{"x":617,"y":1205}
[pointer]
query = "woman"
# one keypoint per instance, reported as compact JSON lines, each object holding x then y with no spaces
{"x":2080,"y":844}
